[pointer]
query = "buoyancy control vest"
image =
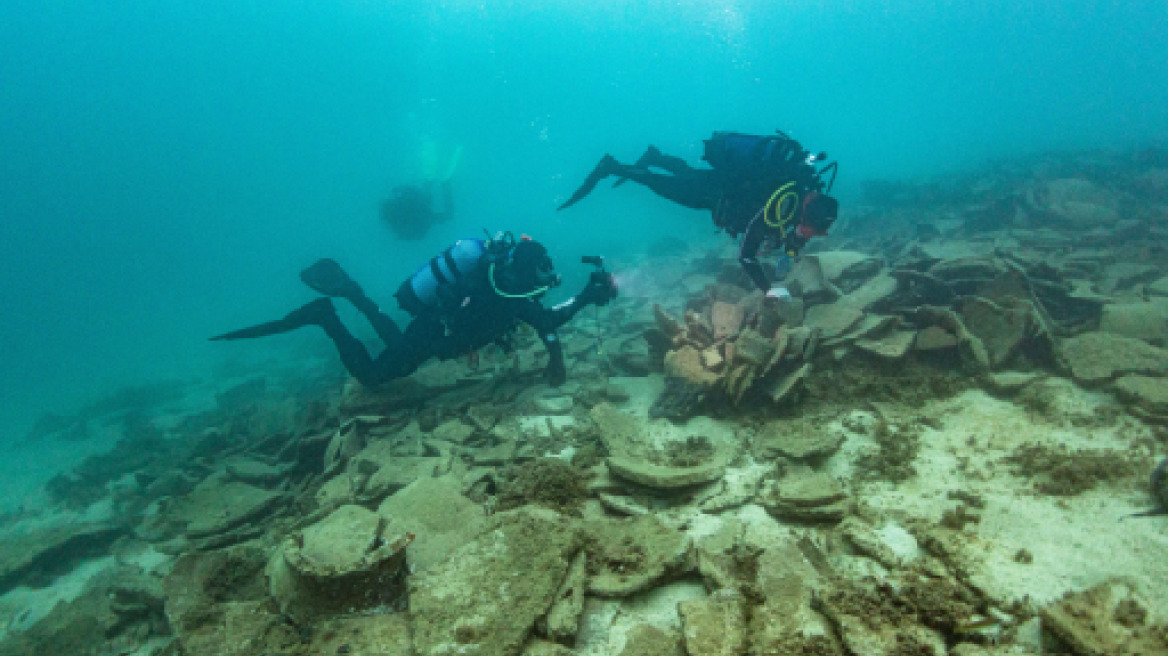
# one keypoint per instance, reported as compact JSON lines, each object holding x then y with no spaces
{"x":771,"y":156}
{"x":444,"y":280}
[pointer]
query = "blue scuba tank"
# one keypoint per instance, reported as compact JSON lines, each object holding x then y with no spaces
{"x":441,"y":279}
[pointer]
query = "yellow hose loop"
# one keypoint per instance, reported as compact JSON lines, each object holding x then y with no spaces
{"x":781,"y":194}
{"x":491,"y":276}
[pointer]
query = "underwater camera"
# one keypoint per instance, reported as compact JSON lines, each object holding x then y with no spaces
{"x":600,"y":276}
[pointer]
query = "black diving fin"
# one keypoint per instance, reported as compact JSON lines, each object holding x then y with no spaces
{"x":607,"y":166}
{"x":314,"y":313}
{"x":327,"y":277}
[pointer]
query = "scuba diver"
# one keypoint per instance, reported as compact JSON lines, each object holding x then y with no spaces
{"x":411,"y":209}
{"x":765,"y":188}
{"x":472,"y":294}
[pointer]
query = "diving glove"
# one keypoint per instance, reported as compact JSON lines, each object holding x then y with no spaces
{"x":778,"y":294}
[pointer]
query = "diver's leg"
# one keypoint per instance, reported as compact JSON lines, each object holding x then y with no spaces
{"x":652,"y":157}
{"x":353,"y":353}
{"x":671,"y":163}
{"x":327,"y":277}
{"x":698,"y":189}
{"x":317,"y":313}
{"x":385,"y":327}
{"x":418,"y":343}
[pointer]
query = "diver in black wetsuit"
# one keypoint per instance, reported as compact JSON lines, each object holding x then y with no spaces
{"x":412,"y":209}
{"x":763,"y":188}
{"x":474,"y":293}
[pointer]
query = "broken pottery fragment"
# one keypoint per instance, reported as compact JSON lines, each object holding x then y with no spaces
{"x":797,"y":440}
{"x":1119,"y":276}
{"x":630,"y":555}
{"x":216,"y":602}
{"x":973,"y":352}
{"x":435,"y":511}
{"x":715,"y":626}
{"x":893,"y":346}
{"x":872,"y":326}
{"x":215,"y":507}
{"x":847,"y":269}
{"x":1146,"y":321}
{"x":806,"y":281}
{"x":978,"y":268}
{"x":915,"y":288}
{"x":454,"y":430}
{"x":660,"y":477}
{"x":341,"y":564}
{"x":489,"y":595}
{"x":805,"y":496}
{"x":934,"y":338}
{"x":712,"y":359}
{"x":789,"y":587}
{"x":1095,"y":357}
{"x":685,"y":364}
{"x":1003,"y":330}
{"x":395,"y":473}
{"x":875,"y":293}
{"x":563,"y":620}
{"x":785,"y":387}
{"x":1159,"y":287}
{"x":1148,"y":393}
{"x":620,"y":504}
{"x":1086,"y":622}
{"x":254,"y":472}
{"x":726,"y":319}
{"x":833,"y":319}
{"x":1011,"y":382}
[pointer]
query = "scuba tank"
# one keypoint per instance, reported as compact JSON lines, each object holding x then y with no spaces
{"x":443,"y":280}
{"x":447,"y":280}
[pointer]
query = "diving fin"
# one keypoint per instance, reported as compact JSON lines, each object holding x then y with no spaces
{"x":642,"y":164}
{"x":607,"y":166}
{"x":328,"y":278}
{"x":315,"y":313}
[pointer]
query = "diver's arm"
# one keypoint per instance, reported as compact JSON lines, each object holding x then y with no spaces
{"x":556,"y":372}
{"x":545,"y":321}
{"x":748,"y":254}
{"x":601,"y":289}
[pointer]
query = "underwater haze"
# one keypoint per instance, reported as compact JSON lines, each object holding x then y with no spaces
{"x":167,"y":168}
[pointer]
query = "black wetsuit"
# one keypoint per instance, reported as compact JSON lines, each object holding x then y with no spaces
{"x":467,"y":305}
{"x":483,"y":318}
{"x":736,"y":203}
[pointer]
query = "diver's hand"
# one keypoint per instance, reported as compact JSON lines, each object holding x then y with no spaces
{"x":600,"y":290}
{"x":777,"y":295}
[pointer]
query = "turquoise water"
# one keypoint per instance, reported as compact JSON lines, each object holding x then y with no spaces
{"x":167,"y":168}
